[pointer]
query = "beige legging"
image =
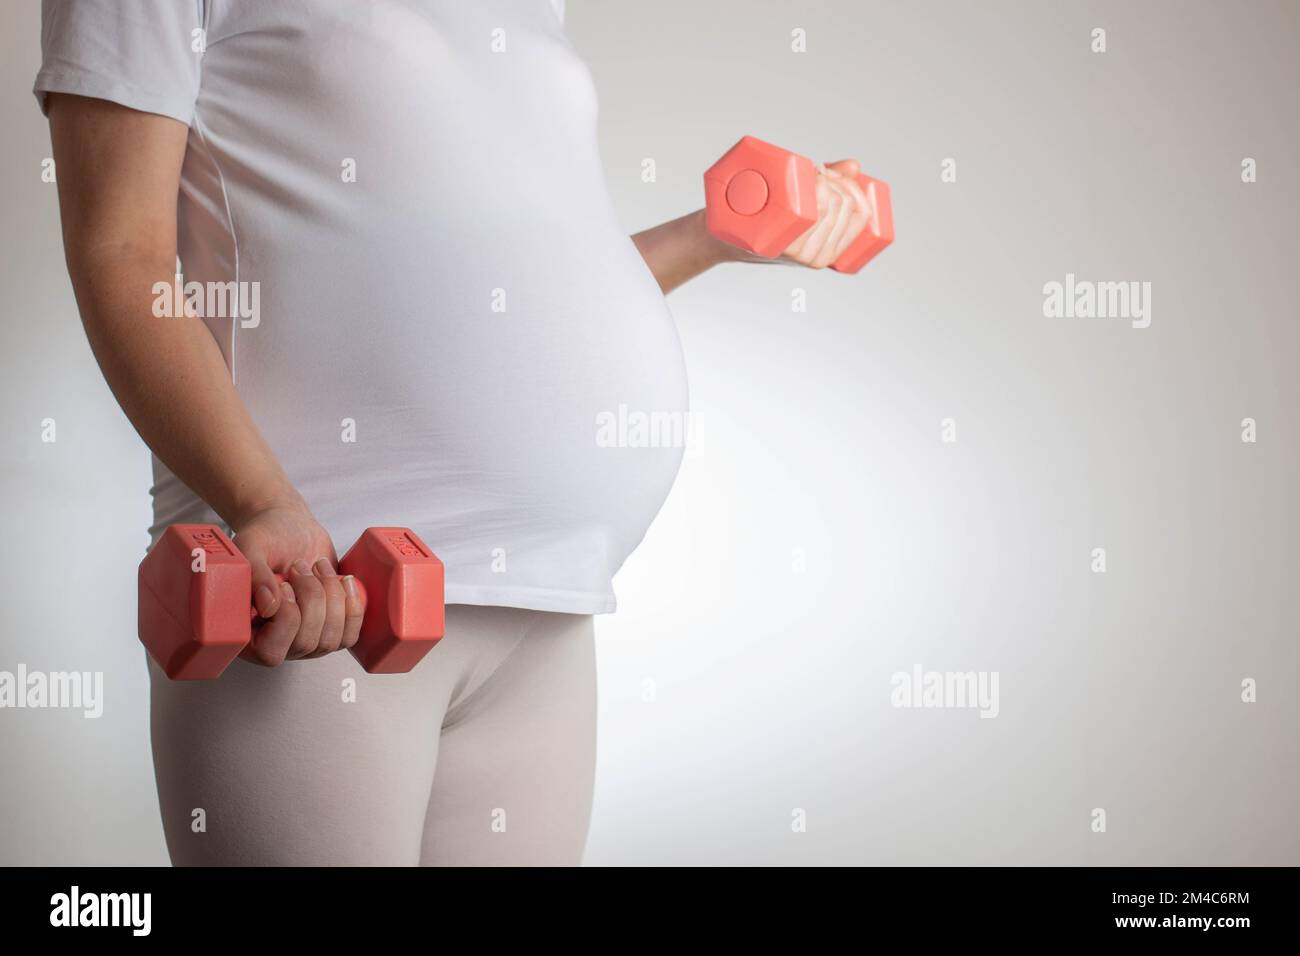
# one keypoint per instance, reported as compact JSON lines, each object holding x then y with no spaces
{"x":483,"y":755}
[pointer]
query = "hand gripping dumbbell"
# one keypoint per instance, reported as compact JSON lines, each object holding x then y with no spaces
{"x":196,"y":609}
{"x":762,"y":198}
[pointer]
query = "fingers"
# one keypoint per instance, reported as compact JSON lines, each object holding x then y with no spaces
{"x":843,"y":216}
{"x":833,"y":212}
{"x":332,"y":627}
{"x":353,"y":612}
{"x":854,"y":188}
{"x":311,"y":603}
{"x":317,"y":616}
{"x":838,"y":216}
{"x":843,"y":212}
{"x":266,"y":589}
{"x":862,"y":212}
{"x":808,"y":247}
{"x":271,"y":642}
{"x":313,"y":612}
{"x":849,"y":167}
{"x":309,"y":613}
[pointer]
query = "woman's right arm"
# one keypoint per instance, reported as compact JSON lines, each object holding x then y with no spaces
{"x":118,"y":179}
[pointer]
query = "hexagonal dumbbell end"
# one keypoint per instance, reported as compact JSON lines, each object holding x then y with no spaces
{"x":193,"y":601}
{"x":878,"y":232}
{"x":760,"y":197}
{"x":404,"y":599}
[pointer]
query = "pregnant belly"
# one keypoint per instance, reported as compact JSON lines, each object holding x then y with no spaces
{"x":493,"y":396}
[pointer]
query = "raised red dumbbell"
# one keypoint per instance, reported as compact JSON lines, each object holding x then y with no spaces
{"x":762,"y":198}
{"x":196,"y":608}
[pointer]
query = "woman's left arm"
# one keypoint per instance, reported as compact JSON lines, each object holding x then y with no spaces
{"x":680,"y":250}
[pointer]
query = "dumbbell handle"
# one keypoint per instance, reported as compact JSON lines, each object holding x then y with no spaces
{"x":361,"y":593}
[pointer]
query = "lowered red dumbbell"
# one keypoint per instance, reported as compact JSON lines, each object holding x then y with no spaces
{"x":762,"y":198}
{"x":196,"y":608}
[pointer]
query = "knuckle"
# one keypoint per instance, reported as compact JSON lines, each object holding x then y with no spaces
{"x":304,"y":645}
{"x":270,"y":645}
{"x":269,"y":656}
{"x":310,"y":586}
{"x":313,"y":622}
{"x":285,"y":622}
{"x":331,"y":634}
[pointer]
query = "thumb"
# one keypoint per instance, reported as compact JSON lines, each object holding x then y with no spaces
{"x":848,"y":167}
{"x":266,"y":589}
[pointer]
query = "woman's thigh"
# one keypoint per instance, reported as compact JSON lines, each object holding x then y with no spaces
{"x":311,"y":763}
{"x":318,"y":763}
{"x":517,"y":758}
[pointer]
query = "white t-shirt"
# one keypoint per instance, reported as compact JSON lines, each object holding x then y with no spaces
{"x":453,"y":332}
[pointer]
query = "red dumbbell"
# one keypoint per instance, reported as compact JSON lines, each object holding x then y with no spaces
{"x":762,"y":198}
{"x":196,"y":608}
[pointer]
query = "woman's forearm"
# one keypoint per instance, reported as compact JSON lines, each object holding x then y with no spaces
{"x":169,"y":376}
{"x":119,"y":173}
{"x":682,"y":249}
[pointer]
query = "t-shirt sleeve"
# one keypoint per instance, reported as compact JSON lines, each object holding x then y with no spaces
{"x":144,"y":54}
